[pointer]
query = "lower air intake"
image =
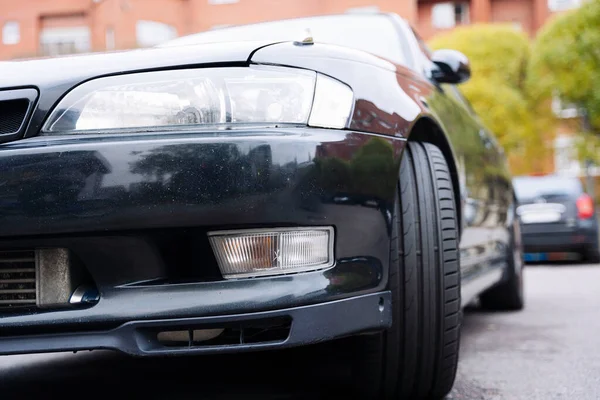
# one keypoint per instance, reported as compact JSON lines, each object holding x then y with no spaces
{"x":12,"y":115}
{"x":17,"y":279}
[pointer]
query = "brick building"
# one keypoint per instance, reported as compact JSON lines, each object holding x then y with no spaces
{"x":41,"y":27}
{"x":436,"y":16}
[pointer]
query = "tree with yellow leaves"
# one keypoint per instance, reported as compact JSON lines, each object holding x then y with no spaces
{"x":498,"y":91}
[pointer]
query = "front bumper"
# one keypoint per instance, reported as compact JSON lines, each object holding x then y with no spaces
{"x":134,"y":212}
{"x":309,"y":324}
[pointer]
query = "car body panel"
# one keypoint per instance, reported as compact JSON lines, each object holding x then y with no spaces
{"x":383,"y":103}
{"x":108,"y":200}
{"x":136,"y":208}
{"x":311,"y":324}
{"x":407,"y":97}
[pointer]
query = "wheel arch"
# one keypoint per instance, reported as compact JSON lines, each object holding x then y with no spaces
{"x":427,"y":130}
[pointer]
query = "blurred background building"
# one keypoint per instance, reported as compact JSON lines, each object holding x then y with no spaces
{"x":32,"y":28}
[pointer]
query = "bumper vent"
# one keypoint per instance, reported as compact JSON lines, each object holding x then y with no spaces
{"x":17,"y":279}
{"x":12,"y":115}
{"x":16,"y":107}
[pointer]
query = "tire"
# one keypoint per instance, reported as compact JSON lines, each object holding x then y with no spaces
{"x":508,"y":296}
{"x":417,"y":357}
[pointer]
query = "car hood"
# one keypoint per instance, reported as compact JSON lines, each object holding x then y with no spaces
{"x":73,"y":69}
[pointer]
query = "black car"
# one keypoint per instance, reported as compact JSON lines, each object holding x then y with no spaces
{"x":558,"y":218}
{"x":287,"y":188}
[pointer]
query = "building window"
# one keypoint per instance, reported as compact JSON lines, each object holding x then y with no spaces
{"x":11,"y":32}
{"x":565,"y":156}
{"x":217,"y":2}
{"x":461,"y":13}
{"x":562,"y":109}
{"x":152,"y":33}
{"x":448,"y":15}
{"x":110,"y":38}
{"x":65,"y":40}
{"x":562,"y":5}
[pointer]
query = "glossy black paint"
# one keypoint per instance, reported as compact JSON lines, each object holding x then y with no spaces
{"x":135,"y":208}
{"x":453,"y":66}
{"x":395,"y":101}
{"x":309,"y":324}
{"x":142,"y":237}
{"x":67,"y":184}
{"x":384,"y":102}
{"x":27,"y":95}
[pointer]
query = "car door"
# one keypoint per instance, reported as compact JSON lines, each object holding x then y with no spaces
{"x":500,"y":197}
{"x":474,"y":153}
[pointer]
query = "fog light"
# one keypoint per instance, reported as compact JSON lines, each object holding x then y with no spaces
{"x":260,"y":252}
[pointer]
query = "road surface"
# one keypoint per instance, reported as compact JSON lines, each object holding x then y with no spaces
{"x":549,"y":351}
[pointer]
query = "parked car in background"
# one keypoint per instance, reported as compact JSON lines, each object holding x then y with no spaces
{"x":255,"y":188}
{"x":558,"y":218}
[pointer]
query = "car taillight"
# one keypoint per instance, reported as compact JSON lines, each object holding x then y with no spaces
{"x":585,"y":207}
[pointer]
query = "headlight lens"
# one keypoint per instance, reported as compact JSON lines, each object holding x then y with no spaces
{"x":332,"y":105}
{"x":181,"y":99}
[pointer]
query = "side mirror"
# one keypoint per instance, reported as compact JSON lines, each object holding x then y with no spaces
{"x":452,"y":67}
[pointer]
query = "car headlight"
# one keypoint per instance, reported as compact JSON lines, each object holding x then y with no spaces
{"x":193,"y":98}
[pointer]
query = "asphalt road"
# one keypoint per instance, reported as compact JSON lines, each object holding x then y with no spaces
{"x":549,"y":351}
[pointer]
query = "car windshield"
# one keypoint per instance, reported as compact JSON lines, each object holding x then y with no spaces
{"x":547,"y":187}
{"x":375,"y":34}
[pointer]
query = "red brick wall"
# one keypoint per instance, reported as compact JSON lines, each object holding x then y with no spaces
{"x":424,"y":25}
{"x":187,"y":16}
{"x":406,"y":8}
{"x":517,"y":12}
{"x":529,"y":14}
{"x":123,"y":15}
{"x":207,"y":15}
{"x":28,"y":13}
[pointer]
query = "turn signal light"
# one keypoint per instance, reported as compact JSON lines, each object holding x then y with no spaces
{"x":261,"y":252}
{"x":585,"y":206}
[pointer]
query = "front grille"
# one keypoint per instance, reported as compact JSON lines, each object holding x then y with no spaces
{"x":17,"y":279}
{"x":12,"y":115}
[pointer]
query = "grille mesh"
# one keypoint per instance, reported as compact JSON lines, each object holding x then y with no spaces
{"x":12,"y":114}
{"x":17,"y":278}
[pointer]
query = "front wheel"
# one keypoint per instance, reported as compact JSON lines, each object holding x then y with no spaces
{"x":417,"y":357}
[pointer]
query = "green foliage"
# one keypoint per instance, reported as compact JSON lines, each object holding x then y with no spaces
{"x":503,"y":109}
{"x":498,"y":89}
{"x":499,"y":56}
{"x":587,"y":147}
{"x":566,"y":60}
{"x":497,"y":52}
